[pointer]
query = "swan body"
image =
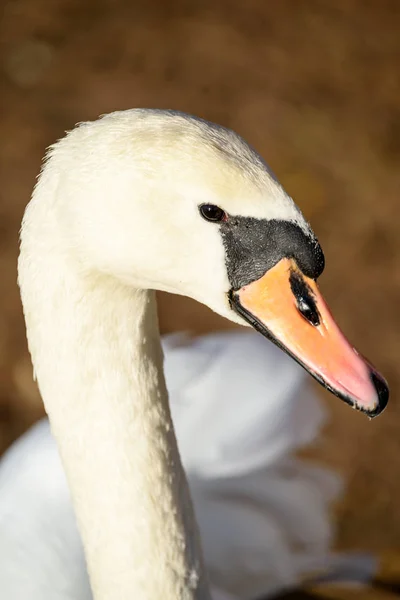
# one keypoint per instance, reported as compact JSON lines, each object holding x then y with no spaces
{"x":137,"y":201}
{"x":263,"y":515}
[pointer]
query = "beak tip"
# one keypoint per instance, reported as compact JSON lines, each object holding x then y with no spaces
{"x":382,"y":395}
{"x":382,"y":392}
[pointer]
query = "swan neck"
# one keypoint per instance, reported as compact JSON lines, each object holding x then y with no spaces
{"x":96,"y":351}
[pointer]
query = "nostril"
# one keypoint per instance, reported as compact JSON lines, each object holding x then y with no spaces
{"x":305,"y":301}
{"x":308,"y":310}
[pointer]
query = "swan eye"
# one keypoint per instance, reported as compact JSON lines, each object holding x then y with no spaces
{"x":212,"y":213}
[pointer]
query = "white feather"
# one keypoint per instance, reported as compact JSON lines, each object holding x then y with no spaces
{"x":240,"y":408}
{"x":115,"y":216}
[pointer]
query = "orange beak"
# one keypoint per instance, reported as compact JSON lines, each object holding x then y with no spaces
{"x":288,"y":308}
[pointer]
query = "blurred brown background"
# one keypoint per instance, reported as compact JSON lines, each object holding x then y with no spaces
{"x":315,"y":87}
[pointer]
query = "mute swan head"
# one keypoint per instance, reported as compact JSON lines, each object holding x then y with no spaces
{"x":174,"y":203}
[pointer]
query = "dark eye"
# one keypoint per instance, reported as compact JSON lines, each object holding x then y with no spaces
{"x":213,"y":213}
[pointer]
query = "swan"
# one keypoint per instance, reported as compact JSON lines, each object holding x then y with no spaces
{"x":145,"y":200}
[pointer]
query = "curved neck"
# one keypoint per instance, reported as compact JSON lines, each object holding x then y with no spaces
{"x":96,"y":350}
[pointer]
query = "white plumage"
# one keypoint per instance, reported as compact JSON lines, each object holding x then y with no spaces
{"x":240,"y":408}
{"x":117,"y":213}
